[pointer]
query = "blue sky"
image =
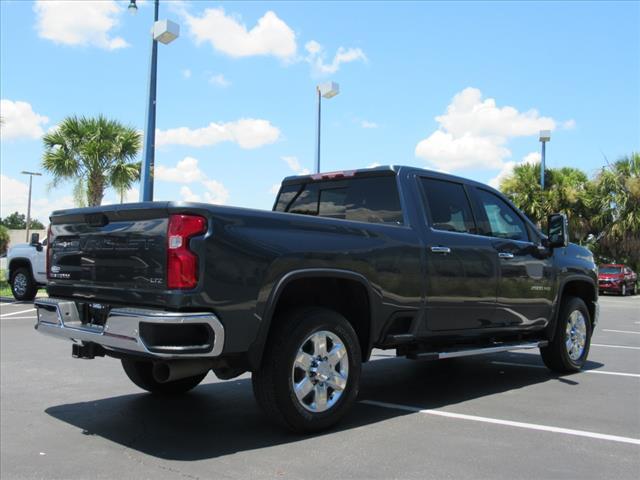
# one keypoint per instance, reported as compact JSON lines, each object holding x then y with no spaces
{"x":462,"y":87}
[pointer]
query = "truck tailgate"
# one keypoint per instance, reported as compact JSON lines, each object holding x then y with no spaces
{"x":121,"y":246}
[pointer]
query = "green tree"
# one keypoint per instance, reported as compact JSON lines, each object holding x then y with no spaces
{"x":4,"y":240}
{"x":18,"y":221}
{"x":95,"y":153}
{"x":616,"y":200}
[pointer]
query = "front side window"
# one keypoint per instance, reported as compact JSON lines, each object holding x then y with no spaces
{"x":503,"y":221}
{"x":448,"y":206}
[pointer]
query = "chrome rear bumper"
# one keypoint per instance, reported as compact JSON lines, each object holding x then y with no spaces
{"x":122,"y":329}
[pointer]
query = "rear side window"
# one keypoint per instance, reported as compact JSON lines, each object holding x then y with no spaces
{"x":503,"y":221}
{"x":372,"y":199}
{"x":448,"y":206}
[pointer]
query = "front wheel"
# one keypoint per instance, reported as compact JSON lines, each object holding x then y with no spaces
{"x":140,"y":372}
{"x":310,"y":372}
{"x":23,"y":286}
{"x":623,"y":290}
{"x":568,"y":350}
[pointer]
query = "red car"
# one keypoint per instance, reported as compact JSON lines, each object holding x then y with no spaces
{"x":615,"y":278}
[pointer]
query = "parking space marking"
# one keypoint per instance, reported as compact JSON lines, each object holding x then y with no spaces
{"x":621,"y":331}
{"x":510,"y":423}
{"x":602,"y":372}
{"x":15,"y":313}
{"x":23,"y":318}
{"x":614,"y":346}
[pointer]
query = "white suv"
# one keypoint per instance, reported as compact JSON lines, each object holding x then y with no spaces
{"x":27,"y":268}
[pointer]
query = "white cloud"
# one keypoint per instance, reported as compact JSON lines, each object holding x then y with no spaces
{"x":80,"y":23}
{"x":216,"y":192}
{"x":569,"y":124}
{"x":275,"y":188}
{"x":219,"y":80}
{"x":368,"y":124}
{"x":14,"y":196}
{"x":186,"y":171}
{"x":507,"y":168}
{"x":474,"y":132}
{"x":316,"y":57}
{"x":227,"y":34}
{"x":373,"y":165}
{"x":20,"y":121}
{"x":294,"y":164}
{"x":248,"y":133}
{"x":186,"y":73}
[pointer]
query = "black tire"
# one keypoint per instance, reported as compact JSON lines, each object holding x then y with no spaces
{"x":634,"y":291}
{"x":23,"y":286}
{"x":623,"y":290}
{"x":555,"y":355}
{"x":140,"y":373}
{"x":273,"y":382}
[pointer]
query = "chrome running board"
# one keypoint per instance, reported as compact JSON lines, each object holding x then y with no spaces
{"x":466,"y":352}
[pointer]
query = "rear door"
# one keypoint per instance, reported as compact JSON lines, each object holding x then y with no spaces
{"x":461,"y":270}
{"x":526,"y":269}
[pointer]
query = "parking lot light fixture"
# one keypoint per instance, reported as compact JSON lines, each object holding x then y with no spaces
{"x":326,"y":90}
{"x":132,"y":8}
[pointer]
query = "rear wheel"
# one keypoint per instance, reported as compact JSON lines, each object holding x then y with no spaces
{"x":568,"y":350}
{"x":634,"y":291}
{"x":23,"y":286}
{"x":140,"y":372}
{"x":310,"y":373}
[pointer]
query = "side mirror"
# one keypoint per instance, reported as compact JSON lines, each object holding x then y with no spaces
{"x":558,"y":230}
{"x":35,"y":239}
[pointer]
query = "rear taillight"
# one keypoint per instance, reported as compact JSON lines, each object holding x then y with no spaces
{"x":49,"y":251}
{"x":182,"y":263}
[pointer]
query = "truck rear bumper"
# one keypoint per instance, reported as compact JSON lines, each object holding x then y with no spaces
{"x":154,"y":333}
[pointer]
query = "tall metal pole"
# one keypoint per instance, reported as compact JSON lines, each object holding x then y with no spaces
{"x":318,"y":132}
{"x":29,"y":207}
{"x":146,"y":194}
{"x":31,"y":174}
{"x":542,"y":168}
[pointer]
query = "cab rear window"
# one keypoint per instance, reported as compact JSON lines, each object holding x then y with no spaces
{"x":372,"y":199}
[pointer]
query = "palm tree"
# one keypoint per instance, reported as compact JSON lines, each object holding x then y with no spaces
{"x":617,"y":201}
{"x":523,"y":188}
{"x":95,"y":153}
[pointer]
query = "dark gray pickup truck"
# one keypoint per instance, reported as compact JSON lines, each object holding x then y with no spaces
{"x":431,"y":265}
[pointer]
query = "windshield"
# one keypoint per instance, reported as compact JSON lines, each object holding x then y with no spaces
{"x":610,"y":270}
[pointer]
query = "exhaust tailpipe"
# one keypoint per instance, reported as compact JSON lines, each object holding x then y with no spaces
{"x":164,"y":372}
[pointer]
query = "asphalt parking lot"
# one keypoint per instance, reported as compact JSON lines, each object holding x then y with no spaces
{"x":498,"y":416}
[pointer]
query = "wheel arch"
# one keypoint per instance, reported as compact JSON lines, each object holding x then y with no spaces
{"x":320,"y":287}
{"x":575,"y":286}
{"x":19,"y":262}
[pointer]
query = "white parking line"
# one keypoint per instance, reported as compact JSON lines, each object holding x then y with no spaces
{"x":16,"y":313}
{"x":603,"y":372}
{"x":23,"y":318}
{"x":510,"y":423}
{"x":621,"y":331}
{"x":614,"y":346}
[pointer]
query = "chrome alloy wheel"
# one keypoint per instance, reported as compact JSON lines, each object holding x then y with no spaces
{"x":320,"y":371}
{"x":20,"y":284}
{"x":576,"y":335}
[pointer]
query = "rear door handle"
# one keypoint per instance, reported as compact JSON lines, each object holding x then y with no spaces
{"x":440,"y":249}
{"x":505,"y":255}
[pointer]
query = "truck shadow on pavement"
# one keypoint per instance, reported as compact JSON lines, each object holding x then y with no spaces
{"x":222,"y":418}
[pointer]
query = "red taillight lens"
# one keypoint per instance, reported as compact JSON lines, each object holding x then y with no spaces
{"x":49,"y":251}
{"x":182,"y":263}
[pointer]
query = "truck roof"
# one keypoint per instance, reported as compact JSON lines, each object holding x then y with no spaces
{"x":379,"y":170}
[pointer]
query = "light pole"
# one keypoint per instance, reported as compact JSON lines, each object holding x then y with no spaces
{"x":326,"y":90}
{"x":164,"y":31}
{"x":31,"y":174}
{"x":545,"y":136}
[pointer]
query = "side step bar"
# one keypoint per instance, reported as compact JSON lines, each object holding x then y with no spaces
{"x":466,"y":352}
